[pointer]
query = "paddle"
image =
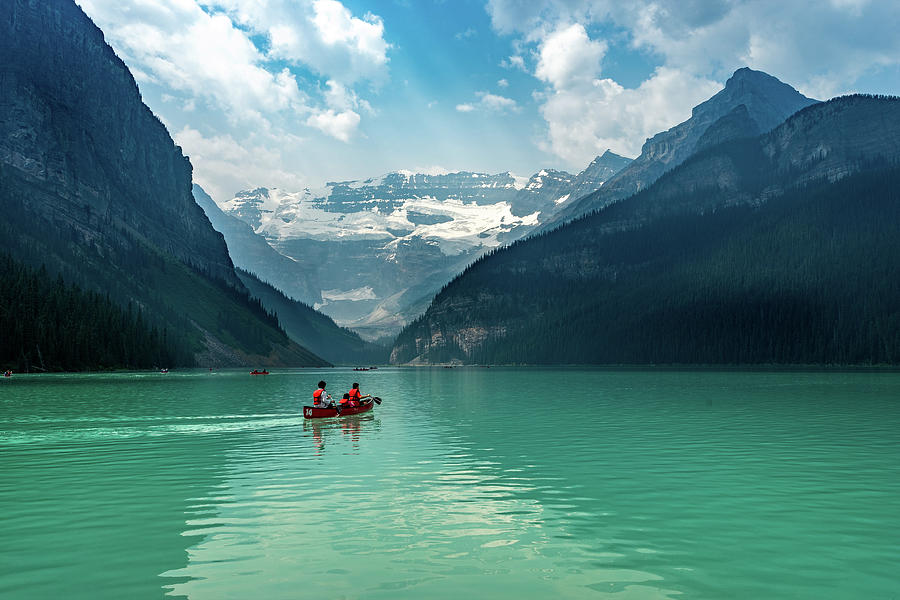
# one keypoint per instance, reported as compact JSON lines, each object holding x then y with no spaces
{"x":338,"y":407}
{"x":375,"y":399}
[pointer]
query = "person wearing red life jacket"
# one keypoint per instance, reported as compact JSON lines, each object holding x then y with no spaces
{"x":345,"y":401}
{"x":321,"y":398}
{"x":355,"y":397}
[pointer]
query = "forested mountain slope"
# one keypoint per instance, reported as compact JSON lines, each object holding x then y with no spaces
{"x":783,"y":248}
{"x":314,"y":330}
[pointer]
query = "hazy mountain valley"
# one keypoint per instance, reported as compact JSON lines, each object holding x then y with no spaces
{"x":372,"y":253}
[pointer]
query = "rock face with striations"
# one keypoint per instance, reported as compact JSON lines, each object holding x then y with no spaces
{"x":72,"y":124}
{"x":602,"y":169}
{"x":766,"y":100}
{"x":93,"y":187}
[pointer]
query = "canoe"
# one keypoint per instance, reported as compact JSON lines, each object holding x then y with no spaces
{"x":312,"y":412}
{"x":255,"y":372}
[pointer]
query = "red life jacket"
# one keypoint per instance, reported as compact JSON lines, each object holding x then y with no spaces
{"x":317,"y":396}
{"x":354,"y":394}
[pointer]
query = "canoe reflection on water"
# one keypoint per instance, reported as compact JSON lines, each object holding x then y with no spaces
{"x":334,"y":431}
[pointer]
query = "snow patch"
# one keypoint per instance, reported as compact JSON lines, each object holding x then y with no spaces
{"x":562,"y":199}
{"x":363,"y":293}
{"x":463,"y":225}
{"x":519,"y":182}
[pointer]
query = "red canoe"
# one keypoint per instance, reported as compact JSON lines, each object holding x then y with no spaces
{"x":255,"y":372}
{"x":311,"y":412}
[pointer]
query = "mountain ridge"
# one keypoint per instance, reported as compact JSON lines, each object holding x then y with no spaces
{"x":490,"y":309}
{"x":767,"y":100}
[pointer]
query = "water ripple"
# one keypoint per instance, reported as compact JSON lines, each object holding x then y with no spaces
{"x":673,"y":484}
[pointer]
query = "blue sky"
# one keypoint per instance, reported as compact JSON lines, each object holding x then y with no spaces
{"x":294,"y":93}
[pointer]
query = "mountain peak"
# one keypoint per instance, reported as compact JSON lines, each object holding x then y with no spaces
{"x":766,"y":102}
{"x":610,"y":154}
{"x":748,"y":74}
{"x":769,"y":100}
{"x":611,"y":159}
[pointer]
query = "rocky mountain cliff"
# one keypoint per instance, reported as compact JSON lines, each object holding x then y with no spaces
{"x":767,"y":102}
{"x":92,"y":186}
{"x":73,"y":121}
{"x":602,"y":169}
{"x":749,"y":251}
{"x":248,"y":249}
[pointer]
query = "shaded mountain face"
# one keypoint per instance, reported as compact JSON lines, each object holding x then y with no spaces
{"x":601,"y":170}
{"x":749,"y":251}
{"x":73,"y":121}
{"x":92,"y":185}
{"x":371,"y":254}
{"x":314,"y":330}
{"x":766,"y":100}
{"x":249,"y":250}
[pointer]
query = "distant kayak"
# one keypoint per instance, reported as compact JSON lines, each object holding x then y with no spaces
{"x":312,"y":412}
{"x":255,"y":372}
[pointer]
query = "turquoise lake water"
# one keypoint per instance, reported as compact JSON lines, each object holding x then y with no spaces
{"x":466,"y":482}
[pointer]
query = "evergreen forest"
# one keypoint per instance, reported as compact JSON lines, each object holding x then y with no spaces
{"x":49,"y":325}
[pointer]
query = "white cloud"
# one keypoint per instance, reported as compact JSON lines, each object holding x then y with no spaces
{"x":236,"y":67}
{"x":799,"y":42}
{"x":223,"y":165}
{"x":490,"y":102}
{"x":567,"y":57}
{"x":320,"y":34}
{"x":338,"y":27}
{"x":503,"y":83}
{"x":516,"y":61}
{"x":339,"y":125}
{"x":586,"y":114}
{"x":820,"y":49}
{"x":584,"y":121}
{"x":497,"y":103}
{"x":340,"y":97}
{"x":183,"y":48}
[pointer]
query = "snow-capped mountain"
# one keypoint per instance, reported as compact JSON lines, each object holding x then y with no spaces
{"x":376,"y":250}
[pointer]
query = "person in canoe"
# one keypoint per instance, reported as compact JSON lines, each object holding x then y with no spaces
{"x":345,"y":401}
{"x":355,"y":397}
{"x":321,"y":398}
